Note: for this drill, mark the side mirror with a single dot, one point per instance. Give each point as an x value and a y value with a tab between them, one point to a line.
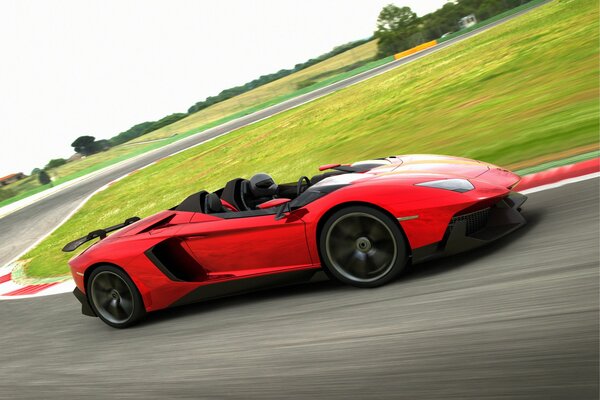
282	203
273	203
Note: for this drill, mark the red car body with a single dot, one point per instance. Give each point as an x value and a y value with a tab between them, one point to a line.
176	257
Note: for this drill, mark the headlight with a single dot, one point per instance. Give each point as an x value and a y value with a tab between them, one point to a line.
456	185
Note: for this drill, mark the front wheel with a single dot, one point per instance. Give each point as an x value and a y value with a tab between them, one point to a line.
362	247
114	297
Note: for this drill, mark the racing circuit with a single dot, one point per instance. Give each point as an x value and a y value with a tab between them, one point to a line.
515	319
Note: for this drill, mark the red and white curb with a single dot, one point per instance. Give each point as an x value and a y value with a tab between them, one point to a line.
12	290
9	289
559	176
536	182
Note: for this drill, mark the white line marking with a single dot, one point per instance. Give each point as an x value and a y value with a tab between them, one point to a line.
8	287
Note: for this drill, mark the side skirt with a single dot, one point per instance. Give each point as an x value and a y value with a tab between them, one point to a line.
247	285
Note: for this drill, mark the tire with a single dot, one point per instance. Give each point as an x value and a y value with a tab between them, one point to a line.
363	247
114	297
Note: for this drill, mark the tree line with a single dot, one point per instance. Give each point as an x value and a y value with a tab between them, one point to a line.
399	28
88	145
264	79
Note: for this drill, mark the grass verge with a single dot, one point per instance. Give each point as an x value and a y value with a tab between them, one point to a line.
520	91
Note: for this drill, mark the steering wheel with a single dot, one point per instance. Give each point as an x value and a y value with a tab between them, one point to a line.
302	185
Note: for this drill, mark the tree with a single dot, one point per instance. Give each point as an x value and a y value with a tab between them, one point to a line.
44	178
102	145
55	162
35	171
489	8
133	132
85	145
395	25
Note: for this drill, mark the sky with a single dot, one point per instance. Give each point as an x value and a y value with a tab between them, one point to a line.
70	68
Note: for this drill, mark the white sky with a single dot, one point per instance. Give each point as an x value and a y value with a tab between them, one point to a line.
71	67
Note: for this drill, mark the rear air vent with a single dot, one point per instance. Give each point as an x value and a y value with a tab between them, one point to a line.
172	258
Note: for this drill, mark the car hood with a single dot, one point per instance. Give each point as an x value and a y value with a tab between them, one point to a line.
451	167
419	167
435	164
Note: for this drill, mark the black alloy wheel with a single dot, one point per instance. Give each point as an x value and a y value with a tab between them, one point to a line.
114	297
363	247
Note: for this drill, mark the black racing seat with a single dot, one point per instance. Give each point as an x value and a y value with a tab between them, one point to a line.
193	203
241	194
246	195
213	204
258	189
233	193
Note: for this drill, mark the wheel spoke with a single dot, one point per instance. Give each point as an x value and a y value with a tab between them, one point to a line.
339	241
377	233
127	305
372	267
343	253
347	259
365	225
357	264
113	280
106	304
119	312
123	288
102	284
380	258
355	224
346	230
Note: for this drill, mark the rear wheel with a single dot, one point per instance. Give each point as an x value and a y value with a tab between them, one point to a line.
114	297
362	247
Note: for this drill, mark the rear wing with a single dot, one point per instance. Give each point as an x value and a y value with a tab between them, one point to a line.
100	233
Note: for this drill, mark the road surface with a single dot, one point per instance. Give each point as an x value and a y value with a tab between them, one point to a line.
517	319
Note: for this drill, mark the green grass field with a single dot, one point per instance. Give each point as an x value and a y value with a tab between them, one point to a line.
524	90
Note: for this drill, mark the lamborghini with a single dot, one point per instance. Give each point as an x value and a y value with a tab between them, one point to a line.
361	223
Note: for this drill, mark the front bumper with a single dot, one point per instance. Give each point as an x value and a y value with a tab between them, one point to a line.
86	309
472	230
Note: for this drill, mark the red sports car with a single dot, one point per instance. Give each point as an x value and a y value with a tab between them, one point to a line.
361	223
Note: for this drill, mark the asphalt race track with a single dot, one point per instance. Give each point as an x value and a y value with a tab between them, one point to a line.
22	228
517	319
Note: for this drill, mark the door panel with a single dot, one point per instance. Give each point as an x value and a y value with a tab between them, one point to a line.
247	246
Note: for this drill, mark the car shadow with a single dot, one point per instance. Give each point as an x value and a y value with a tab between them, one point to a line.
321	284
